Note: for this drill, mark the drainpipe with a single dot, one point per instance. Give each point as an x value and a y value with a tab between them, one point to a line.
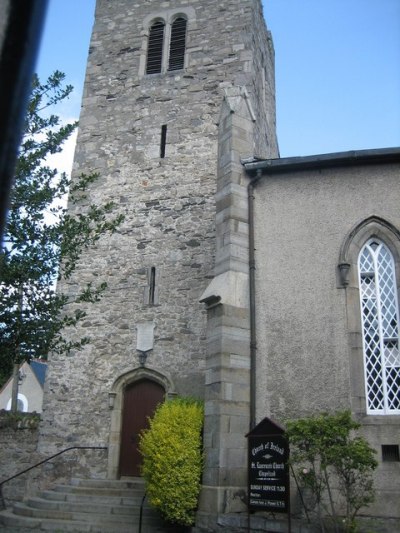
252	301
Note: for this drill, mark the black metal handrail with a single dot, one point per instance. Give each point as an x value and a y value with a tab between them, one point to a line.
141	512
42	462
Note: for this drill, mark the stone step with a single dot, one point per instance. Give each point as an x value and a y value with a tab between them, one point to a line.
12	522
95	506
23	509
107	507
100	498
131	483
98	491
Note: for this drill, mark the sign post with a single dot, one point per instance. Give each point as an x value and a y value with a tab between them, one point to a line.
268	469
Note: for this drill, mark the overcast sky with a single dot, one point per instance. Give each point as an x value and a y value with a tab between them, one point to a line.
337	69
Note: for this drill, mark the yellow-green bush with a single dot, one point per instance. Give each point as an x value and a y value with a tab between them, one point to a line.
173	460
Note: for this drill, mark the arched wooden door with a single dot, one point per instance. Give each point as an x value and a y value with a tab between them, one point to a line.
140	401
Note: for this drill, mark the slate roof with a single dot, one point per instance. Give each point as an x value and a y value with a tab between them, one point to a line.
39	370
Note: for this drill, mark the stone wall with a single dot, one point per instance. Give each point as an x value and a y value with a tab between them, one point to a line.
18	451
263	87
18	441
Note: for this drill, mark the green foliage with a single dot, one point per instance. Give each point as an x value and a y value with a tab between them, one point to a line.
40	235
19	420
172	459
326	452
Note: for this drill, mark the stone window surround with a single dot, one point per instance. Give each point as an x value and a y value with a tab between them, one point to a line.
167	16
151	290
371	227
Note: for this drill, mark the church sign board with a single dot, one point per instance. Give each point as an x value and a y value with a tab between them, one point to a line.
268	470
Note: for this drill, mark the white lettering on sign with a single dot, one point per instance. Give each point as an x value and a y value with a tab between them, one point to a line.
257	449
268	503
276	448
267	446
270	466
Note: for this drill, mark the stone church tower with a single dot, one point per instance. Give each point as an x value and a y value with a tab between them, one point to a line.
176	92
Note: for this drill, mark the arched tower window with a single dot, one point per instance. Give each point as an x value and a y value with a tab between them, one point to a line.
380	328
155	48
166	35
177	44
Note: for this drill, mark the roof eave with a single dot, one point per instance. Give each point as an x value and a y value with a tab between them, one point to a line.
321	161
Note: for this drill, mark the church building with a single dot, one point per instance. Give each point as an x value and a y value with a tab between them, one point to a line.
267	287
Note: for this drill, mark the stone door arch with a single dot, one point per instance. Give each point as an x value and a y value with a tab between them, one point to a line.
140	400
141	385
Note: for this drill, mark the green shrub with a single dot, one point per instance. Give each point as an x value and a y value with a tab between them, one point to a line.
327	453
173	460
19	420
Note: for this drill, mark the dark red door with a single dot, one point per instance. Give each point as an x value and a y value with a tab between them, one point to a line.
140	401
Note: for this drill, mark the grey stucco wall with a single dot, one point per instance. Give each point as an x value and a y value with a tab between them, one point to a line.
301	222
307	351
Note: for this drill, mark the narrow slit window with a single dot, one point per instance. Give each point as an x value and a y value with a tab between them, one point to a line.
152	285
155	48
163	140
177	44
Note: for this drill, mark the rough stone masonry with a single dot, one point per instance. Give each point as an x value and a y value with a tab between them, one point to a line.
161	259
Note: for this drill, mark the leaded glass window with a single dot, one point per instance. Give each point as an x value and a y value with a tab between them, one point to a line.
380	328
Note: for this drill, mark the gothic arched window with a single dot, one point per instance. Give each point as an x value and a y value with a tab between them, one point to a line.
155	48
380	328
177	44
